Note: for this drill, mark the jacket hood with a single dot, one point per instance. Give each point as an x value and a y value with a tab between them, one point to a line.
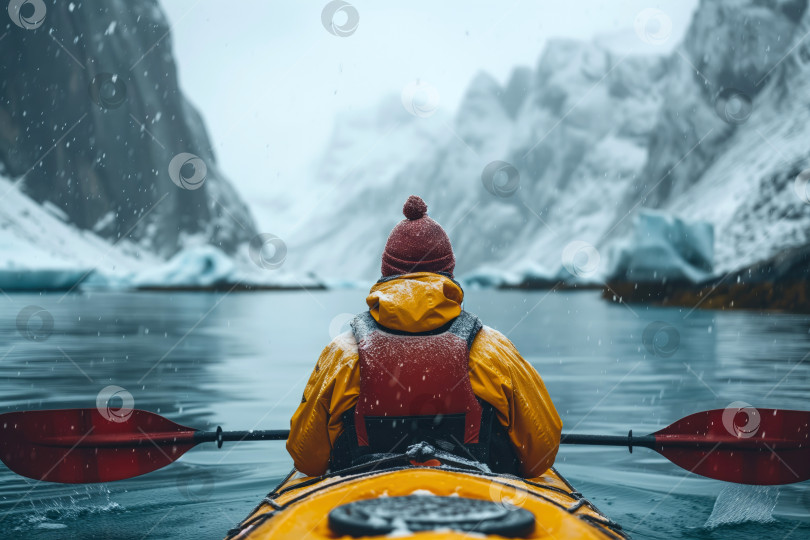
417	302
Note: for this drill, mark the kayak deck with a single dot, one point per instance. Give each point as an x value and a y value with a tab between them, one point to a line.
299	507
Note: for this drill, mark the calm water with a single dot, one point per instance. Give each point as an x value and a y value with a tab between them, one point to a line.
241	361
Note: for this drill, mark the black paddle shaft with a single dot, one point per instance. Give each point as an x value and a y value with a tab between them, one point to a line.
219	436
646	441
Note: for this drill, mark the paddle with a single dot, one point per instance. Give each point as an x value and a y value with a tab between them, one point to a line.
748	446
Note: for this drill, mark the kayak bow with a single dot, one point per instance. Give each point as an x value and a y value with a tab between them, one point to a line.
393	497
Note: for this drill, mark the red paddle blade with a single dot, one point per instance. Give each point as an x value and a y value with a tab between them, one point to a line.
77	446
741	444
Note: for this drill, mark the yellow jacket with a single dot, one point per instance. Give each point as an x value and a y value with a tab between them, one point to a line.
420	302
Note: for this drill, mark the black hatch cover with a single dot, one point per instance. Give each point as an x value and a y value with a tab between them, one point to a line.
414	513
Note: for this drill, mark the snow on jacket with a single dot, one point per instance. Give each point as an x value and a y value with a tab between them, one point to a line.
420	302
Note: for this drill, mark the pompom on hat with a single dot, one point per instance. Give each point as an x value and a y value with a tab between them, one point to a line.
417	244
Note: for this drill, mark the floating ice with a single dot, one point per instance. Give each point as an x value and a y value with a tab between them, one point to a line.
664	247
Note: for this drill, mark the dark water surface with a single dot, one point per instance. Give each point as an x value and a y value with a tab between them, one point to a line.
241	361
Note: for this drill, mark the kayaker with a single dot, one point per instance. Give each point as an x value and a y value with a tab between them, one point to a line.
417	367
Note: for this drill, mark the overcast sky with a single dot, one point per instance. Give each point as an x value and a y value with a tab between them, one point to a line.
269	79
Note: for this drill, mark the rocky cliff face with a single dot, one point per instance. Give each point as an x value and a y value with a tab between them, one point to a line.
717	132
92	119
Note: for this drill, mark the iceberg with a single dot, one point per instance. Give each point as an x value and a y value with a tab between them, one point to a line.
201	266
664	248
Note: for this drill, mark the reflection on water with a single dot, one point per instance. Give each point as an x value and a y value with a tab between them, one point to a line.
241	361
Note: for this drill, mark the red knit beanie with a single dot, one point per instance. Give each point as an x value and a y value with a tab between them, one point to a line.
417	244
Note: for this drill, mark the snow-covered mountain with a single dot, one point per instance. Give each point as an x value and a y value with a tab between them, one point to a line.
360	174
107	176
568	165
94	125
715	132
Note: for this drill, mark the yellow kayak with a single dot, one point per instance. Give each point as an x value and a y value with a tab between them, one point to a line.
394	497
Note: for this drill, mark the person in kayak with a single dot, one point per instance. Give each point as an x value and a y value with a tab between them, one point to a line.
416	367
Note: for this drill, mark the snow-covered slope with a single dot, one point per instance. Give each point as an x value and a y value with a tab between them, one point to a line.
715	132
41	250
